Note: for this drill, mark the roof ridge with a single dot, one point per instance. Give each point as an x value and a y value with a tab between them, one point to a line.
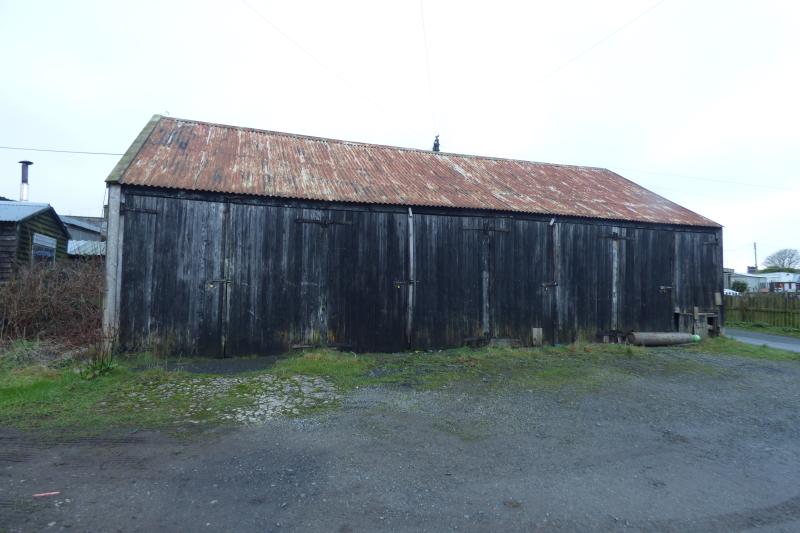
373	145
20	202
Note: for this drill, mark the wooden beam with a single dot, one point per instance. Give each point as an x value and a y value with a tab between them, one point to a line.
114	241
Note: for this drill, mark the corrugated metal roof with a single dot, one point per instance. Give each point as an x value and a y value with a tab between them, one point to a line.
11	211
73	221
86	248
199	156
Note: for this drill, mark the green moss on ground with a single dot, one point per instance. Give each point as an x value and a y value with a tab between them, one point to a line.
576	365
144	391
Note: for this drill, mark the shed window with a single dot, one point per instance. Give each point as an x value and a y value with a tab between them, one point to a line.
43	249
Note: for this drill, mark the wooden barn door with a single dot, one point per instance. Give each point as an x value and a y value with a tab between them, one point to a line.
449	259
276	267
482	278
522	289
173	284
645	271
313	277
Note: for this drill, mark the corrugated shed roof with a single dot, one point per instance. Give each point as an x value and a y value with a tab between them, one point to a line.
77	222
86	247
199	156
11	211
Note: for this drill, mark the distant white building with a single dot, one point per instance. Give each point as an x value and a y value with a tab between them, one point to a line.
782	281
769	282
755	282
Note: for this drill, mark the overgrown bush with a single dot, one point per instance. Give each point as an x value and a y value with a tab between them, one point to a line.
739	286
59	303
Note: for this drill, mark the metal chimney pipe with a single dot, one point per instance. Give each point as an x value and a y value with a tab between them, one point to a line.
23	186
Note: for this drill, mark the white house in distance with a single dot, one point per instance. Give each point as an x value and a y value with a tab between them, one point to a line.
769	282
782	281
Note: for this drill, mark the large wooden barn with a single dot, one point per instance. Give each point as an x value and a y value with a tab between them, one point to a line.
225	240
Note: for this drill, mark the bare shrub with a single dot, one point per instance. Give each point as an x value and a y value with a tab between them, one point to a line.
59	303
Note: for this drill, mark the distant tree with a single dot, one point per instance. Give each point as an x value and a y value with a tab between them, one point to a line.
739	286
778	269
786	258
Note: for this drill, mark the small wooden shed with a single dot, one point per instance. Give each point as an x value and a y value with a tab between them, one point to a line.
225	240
29	232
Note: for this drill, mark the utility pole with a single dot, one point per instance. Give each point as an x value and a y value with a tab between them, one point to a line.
755	256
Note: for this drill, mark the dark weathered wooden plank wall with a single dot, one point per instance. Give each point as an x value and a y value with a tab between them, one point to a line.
698	269
203	277
306	276
584	280
647	273
520	274
172	267
8	249
45	224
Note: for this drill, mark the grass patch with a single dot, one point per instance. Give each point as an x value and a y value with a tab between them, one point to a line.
37	398
728	346
762	327
144	391
577	365
347	370
147	391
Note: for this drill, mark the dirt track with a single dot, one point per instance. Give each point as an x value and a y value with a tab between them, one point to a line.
712	450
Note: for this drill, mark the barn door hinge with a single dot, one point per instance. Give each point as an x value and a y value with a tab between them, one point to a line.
665	288
400	282
487	228
323	223
211	283
615	236
125	209
549	284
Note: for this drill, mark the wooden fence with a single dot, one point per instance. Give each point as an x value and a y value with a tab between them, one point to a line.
774	309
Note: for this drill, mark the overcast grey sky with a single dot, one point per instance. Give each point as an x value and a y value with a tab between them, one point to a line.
698	101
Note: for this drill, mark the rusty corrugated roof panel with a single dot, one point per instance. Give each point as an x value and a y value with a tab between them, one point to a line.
198	156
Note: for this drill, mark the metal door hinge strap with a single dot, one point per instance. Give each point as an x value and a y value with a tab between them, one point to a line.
398	282
211	283
323	223
614	236
486	228
124	209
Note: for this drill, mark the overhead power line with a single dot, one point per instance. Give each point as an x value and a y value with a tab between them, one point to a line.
313	57
685	176
56	151
427	63
601	41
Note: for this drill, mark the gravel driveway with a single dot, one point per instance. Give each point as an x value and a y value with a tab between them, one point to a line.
714	449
